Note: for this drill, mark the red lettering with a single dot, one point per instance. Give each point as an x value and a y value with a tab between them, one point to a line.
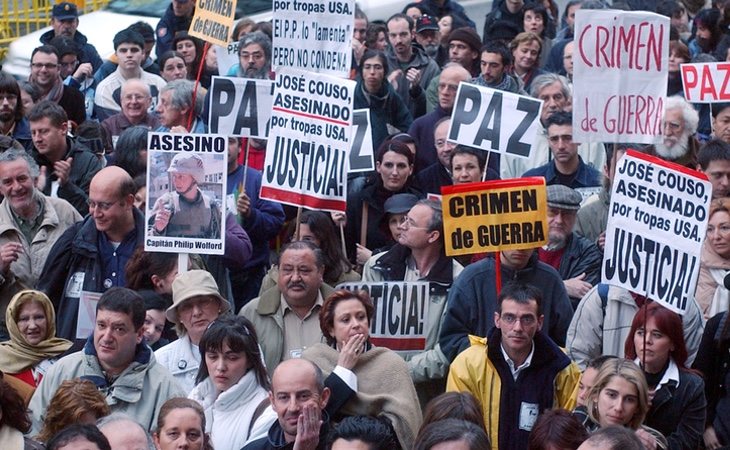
601	49
580	46
724	94
708	86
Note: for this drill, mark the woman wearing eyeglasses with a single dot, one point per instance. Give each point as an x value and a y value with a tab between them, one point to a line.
711	294
232	384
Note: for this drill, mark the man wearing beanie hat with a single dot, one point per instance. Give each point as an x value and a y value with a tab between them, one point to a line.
411	69
577	259
65	21
464	47
196	302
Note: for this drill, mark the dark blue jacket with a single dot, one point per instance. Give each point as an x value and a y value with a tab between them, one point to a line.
586	176
422	132
88	53
472	302
21	133
166	28
386	108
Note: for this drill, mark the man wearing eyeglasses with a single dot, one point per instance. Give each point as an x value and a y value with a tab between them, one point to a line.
92	255
45	76
517	371
419	256
566	166
67	166
679	125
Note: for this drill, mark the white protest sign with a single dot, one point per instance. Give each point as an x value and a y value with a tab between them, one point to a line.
314	35
186	189
361	142
308	148
494	120
706	82
620	76
240	107
401	313
86	317
656	224
227	57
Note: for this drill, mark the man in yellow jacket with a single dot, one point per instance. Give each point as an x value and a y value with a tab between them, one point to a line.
516	372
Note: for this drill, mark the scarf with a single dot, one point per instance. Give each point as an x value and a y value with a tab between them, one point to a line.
55	93
721	299
17	355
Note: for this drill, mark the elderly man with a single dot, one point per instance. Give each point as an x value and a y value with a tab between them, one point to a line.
129	50
554	91
286	316
566	166
422	128
117	360
299	397
91	255
495	60
428	35
254	56
516	371
679	144
411	69
124	433
186	211
175	106
65	21
136	102
67	166
577	260
419	255
12	120
30	223
45	77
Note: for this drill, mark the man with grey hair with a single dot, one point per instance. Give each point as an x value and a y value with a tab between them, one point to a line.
124	433
30	223
679	126
136	100
177	108
419	256
554	91
286	316
254	56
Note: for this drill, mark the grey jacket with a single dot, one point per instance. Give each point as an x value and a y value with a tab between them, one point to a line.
414	98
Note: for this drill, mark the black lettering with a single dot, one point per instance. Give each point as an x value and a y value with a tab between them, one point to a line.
514	146
492	115
461	115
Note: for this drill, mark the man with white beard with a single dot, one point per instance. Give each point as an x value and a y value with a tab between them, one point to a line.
679	144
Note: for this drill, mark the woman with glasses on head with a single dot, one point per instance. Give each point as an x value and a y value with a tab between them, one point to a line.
232	384
711	294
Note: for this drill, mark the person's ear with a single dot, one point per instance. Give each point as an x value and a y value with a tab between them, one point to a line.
140	334
540	321
324	398
435	235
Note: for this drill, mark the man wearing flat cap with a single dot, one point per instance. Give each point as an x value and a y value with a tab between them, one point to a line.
577	259
196	302
65	21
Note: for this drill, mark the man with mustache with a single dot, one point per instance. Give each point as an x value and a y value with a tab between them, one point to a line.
254	57
286	317
679	126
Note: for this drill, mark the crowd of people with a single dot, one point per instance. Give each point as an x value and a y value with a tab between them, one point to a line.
258	348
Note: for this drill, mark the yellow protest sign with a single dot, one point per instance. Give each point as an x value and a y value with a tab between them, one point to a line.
495	215
213	21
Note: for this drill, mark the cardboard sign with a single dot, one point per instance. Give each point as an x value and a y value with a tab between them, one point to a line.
240	107
401	312
307	154
227	57
86	317
213	20
494	120
706	82
362	158
314	35
656	224
186	189
620	76
495	215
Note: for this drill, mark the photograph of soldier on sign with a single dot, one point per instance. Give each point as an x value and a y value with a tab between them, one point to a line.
186	199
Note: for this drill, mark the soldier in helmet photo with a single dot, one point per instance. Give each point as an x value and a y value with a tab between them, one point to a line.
186	212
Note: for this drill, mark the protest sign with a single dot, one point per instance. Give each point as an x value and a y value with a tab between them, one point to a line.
186	187
620	76
227	57
314	35
706	82
656	224
401	312
307	154
86	316
361	142
494	120
213	20
240	107
495	215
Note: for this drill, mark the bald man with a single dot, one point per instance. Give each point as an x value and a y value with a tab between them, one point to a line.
92	254
136	101
422	128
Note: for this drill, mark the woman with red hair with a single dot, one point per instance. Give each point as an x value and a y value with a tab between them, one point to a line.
656	342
